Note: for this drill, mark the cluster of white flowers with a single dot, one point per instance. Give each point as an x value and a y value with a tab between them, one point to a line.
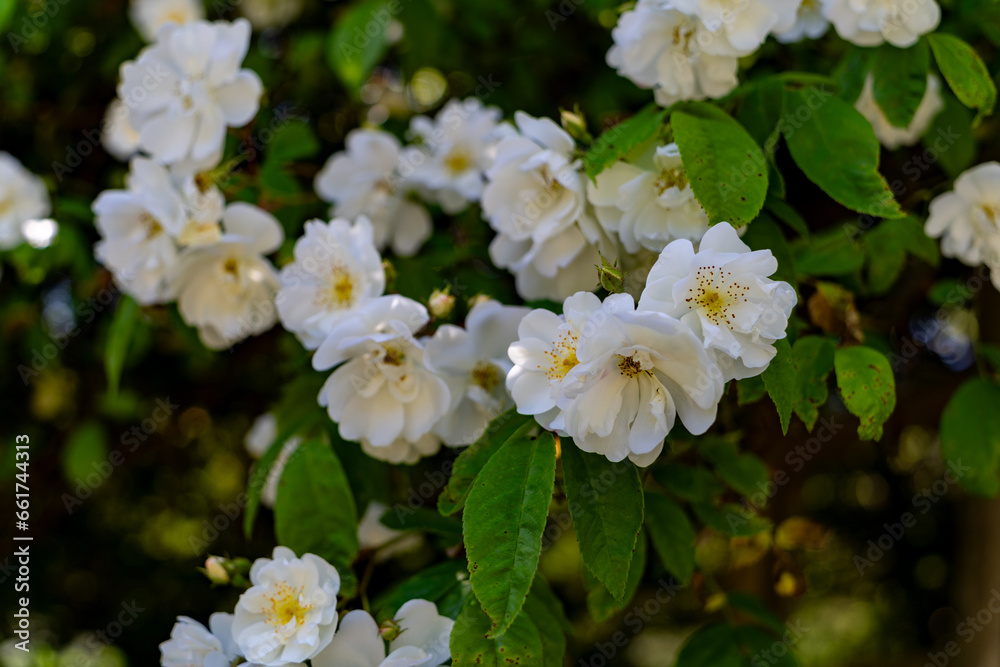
289	615
614	376
378	178
169	235
873	22
23	199
967	220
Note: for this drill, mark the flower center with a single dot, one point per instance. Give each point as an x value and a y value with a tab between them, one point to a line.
394	355
458	161
682	36
715	294
151	225
340	291
286	606
670	178
629	366
562	356
486	375
232	267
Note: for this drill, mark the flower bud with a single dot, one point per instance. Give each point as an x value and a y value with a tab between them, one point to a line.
215	570
441	303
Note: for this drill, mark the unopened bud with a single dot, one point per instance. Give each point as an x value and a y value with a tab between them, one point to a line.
441	303
215	570
390	630
575	124
610	276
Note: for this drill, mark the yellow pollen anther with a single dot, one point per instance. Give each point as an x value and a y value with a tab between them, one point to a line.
232	267
394	355
457	161
562	356
486	375
629	367
670	178
716	294
286	606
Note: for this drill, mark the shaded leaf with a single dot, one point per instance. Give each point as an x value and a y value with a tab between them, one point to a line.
970	436
965	72
672	534
867	386
779	379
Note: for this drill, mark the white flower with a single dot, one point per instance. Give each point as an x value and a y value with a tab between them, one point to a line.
745	24
257	441
118	136
536	201
227	289
264	14
422	641
723	294
383	392
889	135
336	270
365	180
191	644
149	16
23	197
809	22
289	614
474	363
648	206
636	372
967	220
456	149
872	22
140	228
545	353
186	88
657	46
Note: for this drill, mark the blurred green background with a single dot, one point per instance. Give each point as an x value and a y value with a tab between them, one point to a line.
130	549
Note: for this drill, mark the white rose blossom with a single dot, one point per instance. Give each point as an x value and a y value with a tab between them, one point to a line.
648	206
186	88
544	353
118	136
536	202
23	197
967	219
744	24
227	289
809	23
191	644
889	135
149	16
336	270
473	362
289	614
872	22
636	372
656	46
382	395
423	640
723	293
365	180
455	150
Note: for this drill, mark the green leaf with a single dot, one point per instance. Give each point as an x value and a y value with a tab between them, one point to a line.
788	215
503	524
760	111
293	141
886	247
605	501
711	646
549	625
119	335
779	379
731	519
314	510
695	485
867	386
358	42
812	358
85	450
472	646
851	72
468	464
951	137
542	592
7	8
836	148
434	584
745	473
965	72
970	436
672	534
422	519
752	606
831	253
750	390
601	604
725	166
615	142
899	80
764	234
277	180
